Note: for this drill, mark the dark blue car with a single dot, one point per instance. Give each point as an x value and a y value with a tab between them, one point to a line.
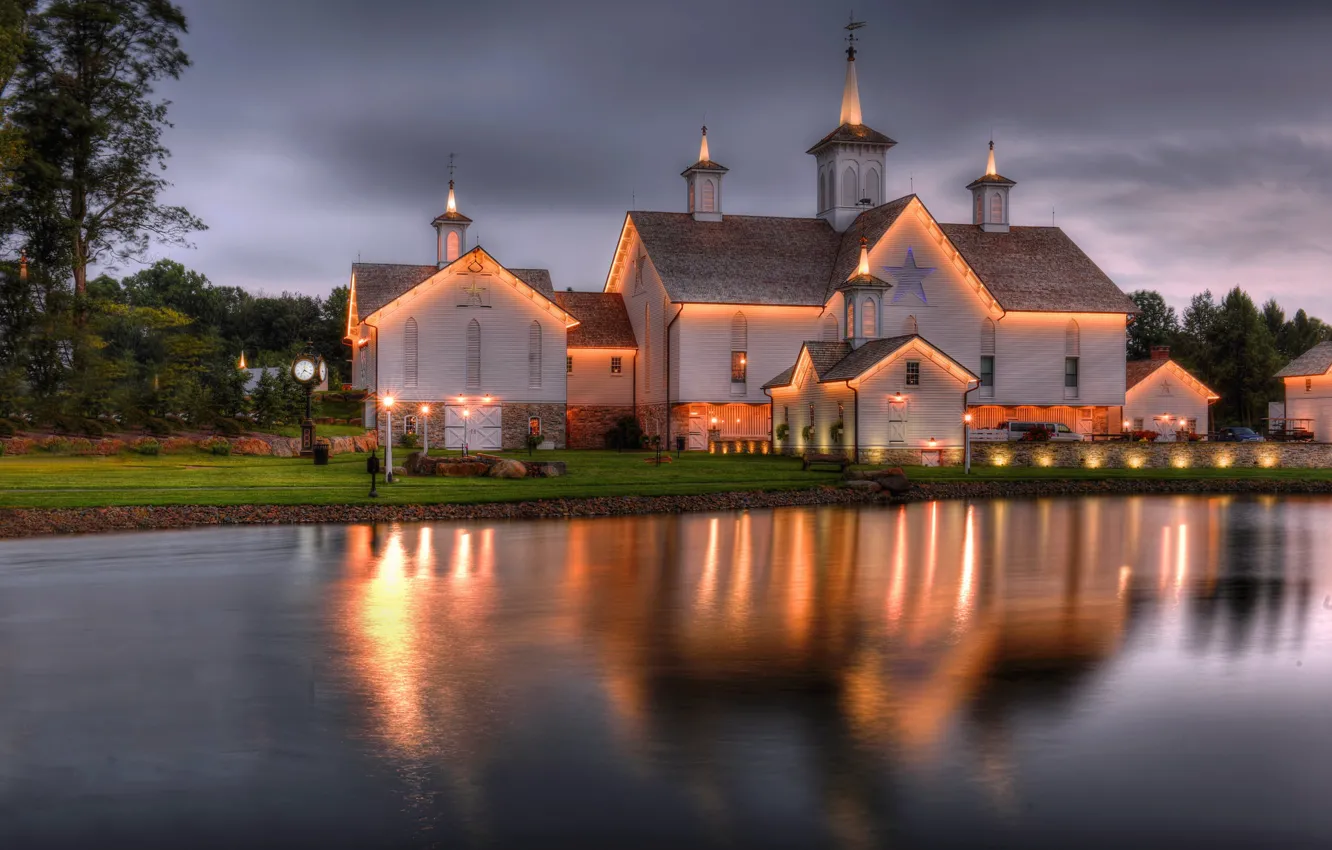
1238	435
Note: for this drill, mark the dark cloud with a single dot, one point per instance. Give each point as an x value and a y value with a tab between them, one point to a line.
1183	144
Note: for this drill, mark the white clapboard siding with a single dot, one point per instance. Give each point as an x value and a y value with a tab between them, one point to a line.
1314	403
934	407
1029	359
649	311
592	382
795	403
1165	393
505	342
773	336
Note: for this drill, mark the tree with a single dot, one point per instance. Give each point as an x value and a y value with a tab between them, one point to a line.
91	176
15	19
1274	318
1190	345
1301	334
1243	358
1156	324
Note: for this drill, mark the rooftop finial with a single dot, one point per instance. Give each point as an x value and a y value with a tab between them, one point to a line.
703	147
864	269
453	204
989	167
851	93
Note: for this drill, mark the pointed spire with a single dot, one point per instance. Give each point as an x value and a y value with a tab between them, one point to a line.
989	167
703	147
863	269
453	204
241	364
851	93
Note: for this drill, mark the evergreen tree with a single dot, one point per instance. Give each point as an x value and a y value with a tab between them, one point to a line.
1243	358
1155	324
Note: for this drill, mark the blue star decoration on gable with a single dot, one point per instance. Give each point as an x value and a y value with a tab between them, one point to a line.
910	279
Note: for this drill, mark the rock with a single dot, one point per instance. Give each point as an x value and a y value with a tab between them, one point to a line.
281	448
863	486
894	481
546	469
454	469
251	446
511	469
399	472
341	445
856	475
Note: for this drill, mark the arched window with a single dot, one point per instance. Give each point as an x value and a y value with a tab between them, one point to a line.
739	332
850	319
868	320
534	355
453	246
409	354
823	189
830	328
709	196
980	209
910	327
849	187
996	208
872	184
691	195
739	353
1072	339
474	355
987	336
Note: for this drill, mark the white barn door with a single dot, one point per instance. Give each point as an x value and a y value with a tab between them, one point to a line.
455	426
897	420
698	438
483	428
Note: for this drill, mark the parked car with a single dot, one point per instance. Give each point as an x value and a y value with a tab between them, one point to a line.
1058	433
1238	435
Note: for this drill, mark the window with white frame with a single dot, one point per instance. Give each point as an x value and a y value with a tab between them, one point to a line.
534	426
739	347
1070	373
617	365
913	373
568	364
1137	424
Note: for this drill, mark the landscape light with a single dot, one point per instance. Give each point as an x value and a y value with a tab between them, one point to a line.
425	410
388	401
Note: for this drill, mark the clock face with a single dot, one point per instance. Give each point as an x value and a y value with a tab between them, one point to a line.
323	371
304	370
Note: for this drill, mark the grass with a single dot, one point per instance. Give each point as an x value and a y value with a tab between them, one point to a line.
320	430
196	478
200	479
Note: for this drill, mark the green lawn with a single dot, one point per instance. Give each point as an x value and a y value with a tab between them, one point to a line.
201	479
320	430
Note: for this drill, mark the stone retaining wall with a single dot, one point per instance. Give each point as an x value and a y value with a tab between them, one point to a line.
1153	455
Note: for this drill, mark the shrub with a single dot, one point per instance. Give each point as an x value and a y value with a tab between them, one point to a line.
227	427
627	434
54	445
218	446
534	440
106	448
3	448
807	432
147	446
783	431
838	428
17	446
177	444
1143	436
1037	434
91	428
157	427
80	446
7	428
409	441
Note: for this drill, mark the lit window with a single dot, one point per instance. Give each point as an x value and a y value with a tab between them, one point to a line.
739	367
616	365
987	370
1308	385
913	373
568	364
409	424
1137	424
786	414
1071	373
840	416
534	426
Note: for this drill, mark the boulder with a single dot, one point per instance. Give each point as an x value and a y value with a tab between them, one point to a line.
286	446
545	469
399	472
863	486
461	470
506	468
892	480
251	446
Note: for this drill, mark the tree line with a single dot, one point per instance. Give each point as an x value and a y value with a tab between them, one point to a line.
82	168
1232	345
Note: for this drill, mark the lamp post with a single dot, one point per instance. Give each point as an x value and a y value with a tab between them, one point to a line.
467	414
425	430
966	444
388	442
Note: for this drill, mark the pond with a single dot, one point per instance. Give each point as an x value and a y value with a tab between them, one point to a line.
1092	672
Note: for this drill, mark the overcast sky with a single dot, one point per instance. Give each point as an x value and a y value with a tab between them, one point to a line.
1183	144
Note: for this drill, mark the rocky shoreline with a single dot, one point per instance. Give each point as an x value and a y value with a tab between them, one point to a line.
31	522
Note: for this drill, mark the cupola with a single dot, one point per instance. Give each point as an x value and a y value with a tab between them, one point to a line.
704	180
989	198
850	159
862	300
451	229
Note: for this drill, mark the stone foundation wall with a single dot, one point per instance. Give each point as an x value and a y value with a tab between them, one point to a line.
653	419
587	425
513	423
1153	455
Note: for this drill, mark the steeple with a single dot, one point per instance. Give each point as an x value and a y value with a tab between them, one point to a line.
450	227
862	299
989	198
850	159
704	181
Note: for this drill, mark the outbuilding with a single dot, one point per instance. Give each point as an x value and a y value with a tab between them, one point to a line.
1308	381
1162	396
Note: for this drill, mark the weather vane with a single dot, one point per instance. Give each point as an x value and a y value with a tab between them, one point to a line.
851	27
451	166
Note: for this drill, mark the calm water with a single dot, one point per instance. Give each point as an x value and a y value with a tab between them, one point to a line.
1100	672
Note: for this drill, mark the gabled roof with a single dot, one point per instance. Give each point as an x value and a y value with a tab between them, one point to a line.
856	133
822	356
377	284
1037	269
603	320
872	224
1137	371
1316	361
742	259
782	380
875	351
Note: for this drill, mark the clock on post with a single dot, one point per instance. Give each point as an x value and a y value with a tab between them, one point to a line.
308	369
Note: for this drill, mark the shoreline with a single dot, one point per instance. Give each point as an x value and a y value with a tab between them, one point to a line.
16	523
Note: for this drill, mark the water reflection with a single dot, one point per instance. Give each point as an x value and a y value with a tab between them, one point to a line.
812	654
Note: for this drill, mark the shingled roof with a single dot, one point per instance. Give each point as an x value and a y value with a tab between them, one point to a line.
603	320
872	223
742	259
1315	361
822	356
1037	269
782	380
856	133
1137	371
379	283
870	354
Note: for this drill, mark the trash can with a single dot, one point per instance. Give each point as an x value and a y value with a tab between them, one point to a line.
679	442
321	454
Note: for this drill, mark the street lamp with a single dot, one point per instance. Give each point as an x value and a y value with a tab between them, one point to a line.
388	443
467	414
966	443
425	430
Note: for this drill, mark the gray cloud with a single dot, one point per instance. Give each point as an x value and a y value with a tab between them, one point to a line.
1183	144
